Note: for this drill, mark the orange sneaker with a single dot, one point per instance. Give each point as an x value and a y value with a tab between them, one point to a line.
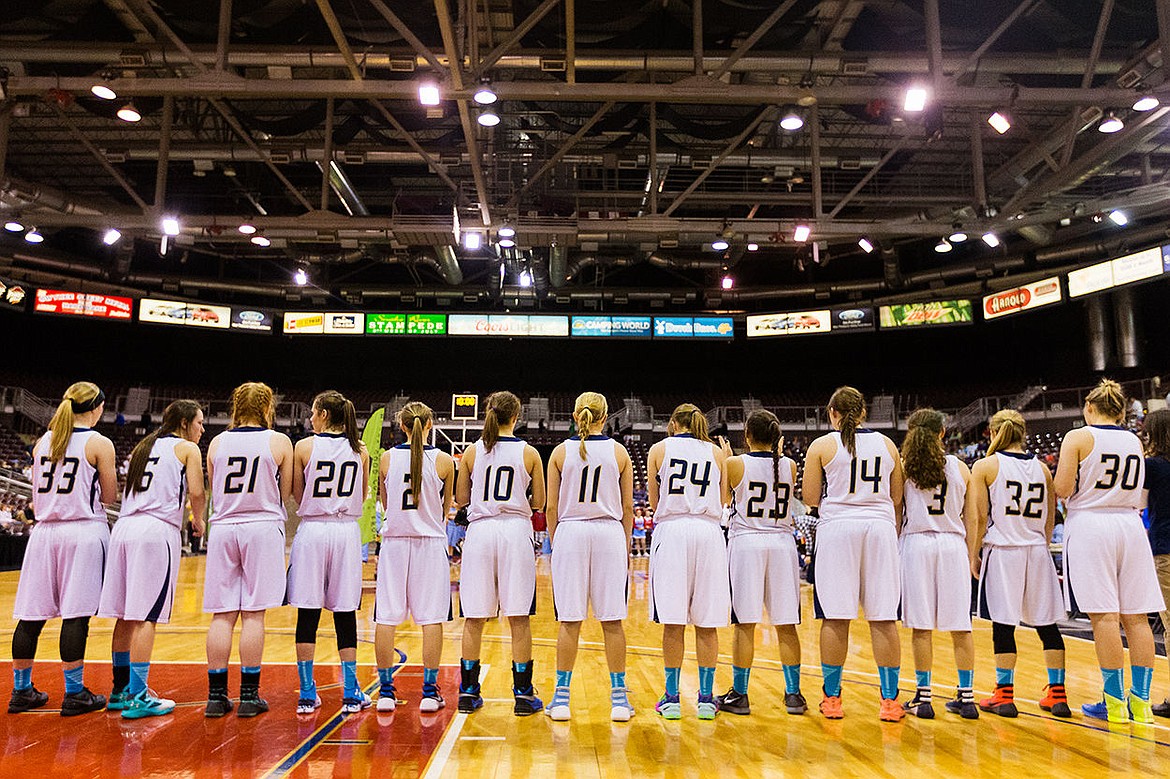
831	707
891	711
1056	701
1002	703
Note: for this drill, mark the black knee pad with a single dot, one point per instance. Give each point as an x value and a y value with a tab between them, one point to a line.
1050	637
74	634
25	638
345	622
307	622
1003	638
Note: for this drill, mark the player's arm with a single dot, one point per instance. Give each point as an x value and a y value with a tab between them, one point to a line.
897	483
1072	450
733	475
383	470
365	454
653	466
211	450
463	482
1051	495
814	470
99	450
969	531
192	460
302	453
535	468
626	472
445	466
282	451
556	462
976	507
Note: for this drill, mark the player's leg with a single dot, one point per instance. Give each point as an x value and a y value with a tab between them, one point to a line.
219	650
789	641
526	701
78	698
1140	638
1055	698
308	620
887	652
834	650
568	636
735	700
345	625
251	657
922	643
571	579
120	656
432	654
707	652
386	658
25	638
748	573
614	633
1003	702
472	641
673	647
964	701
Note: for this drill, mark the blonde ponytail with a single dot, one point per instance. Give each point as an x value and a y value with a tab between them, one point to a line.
1108	398
589	409
688	417
1007	430
584	422
850	404
80	398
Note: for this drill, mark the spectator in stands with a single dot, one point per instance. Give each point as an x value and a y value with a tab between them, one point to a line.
640	495
1157	431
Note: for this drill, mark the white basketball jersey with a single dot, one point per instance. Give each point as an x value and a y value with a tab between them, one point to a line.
499	481
592	488
407	514
1018	502
163	485
858	487
246	487
1111	478
67	489
333	480
688	481
938	510
756	506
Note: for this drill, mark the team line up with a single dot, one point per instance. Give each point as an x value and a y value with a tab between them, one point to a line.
896	530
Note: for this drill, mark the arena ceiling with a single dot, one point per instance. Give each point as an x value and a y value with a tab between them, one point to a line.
633	134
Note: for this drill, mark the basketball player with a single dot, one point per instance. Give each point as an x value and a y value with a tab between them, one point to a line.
501	482
331	472
761	552
166	468
416	488
250	468
1156	427
73	475
936	560
854	476
688	559
1108	566
1013	508
590	514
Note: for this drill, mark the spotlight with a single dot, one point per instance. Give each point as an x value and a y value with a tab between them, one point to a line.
801	233
1118	218
865	245
991	239
728	282
753	247
792	122
301	277
507	231
943	246
428	94
170	225
525	279
1000	123
247	229
472	241
915	100
32	236
103	91
507	243
719	245
1110	124
128	113
261	240
1146	103
164	245
111	237
13	226
485	96
957	237
488	118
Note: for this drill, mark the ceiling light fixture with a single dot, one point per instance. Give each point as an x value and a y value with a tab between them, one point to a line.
1110	124
111	236
170	225
728	282
507	243
261	240
13	226
753	247
801	233
102	90
865	245
915	100
991	239
32	236
428	94
792	121
943	246
247	229
1118	218
488	118
485	95
999	122
957	237
1146	103
720	245
472	241
507	231
301	277
525	279
128	113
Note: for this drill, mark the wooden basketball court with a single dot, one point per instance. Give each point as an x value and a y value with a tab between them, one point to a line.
493	742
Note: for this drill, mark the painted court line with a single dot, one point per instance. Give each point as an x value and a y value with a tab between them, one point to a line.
315	739
439	759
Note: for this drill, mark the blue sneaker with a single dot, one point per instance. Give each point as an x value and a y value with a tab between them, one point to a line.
118	700
558	707
146	705
527	704
619	702
1113	710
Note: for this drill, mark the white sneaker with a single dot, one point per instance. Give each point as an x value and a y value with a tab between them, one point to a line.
558	708
354	705
620	708
387	703
431	703
308	706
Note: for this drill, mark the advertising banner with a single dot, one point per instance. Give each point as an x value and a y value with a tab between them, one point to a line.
1013	301
344	323
611	326
938	312
507	325
179	312
257	320
298	322
56	301
1091	279
426	324
792	323
12	295
858	319
385	324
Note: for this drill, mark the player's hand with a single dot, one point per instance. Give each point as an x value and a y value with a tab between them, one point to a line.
725	445
198	527
975	564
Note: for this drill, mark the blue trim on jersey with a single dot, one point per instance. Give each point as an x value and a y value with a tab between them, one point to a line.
590	438
760	454
1019	455
864	430
168	435
683	435
244	429
330	435
83	430
1110	427
426	448
509	438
